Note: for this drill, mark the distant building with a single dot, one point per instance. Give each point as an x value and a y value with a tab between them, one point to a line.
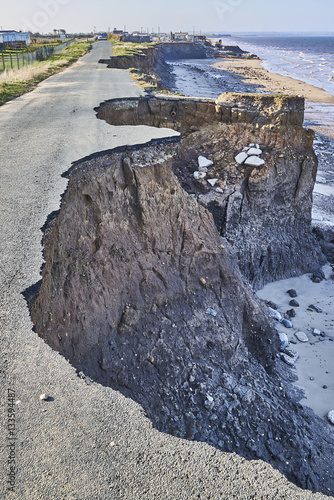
181	37
137	38
14	38
200	38
160	37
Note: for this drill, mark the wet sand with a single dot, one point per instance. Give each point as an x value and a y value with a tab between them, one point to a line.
252	71
314	366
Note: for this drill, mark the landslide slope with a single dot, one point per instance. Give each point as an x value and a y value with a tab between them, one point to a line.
142	294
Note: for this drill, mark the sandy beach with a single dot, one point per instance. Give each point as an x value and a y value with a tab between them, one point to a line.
314	366
252	71
318	101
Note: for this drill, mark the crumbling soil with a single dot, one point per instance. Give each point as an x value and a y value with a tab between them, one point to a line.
142	294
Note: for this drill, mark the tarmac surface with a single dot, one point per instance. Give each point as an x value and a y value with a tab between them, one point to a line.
87	441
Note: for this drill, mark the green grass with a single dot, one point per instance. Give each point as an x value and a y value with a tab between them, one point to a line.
15	58
17	82
131	49
145	81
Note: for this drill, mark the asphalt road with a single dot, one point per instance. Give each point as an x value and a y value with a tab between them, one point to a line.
89	442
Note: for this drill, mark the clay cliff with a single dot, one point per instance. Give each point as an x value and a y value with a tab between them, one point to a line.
153	61
141	293
264	211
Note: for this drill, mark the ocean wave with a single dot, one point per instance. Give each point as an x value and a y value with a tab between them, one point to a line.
311	63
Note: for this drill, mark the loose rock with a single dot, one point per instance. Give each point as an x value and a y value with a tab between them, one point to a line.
316	331
321	180
241	157
289	357
292	293
271	304
287	323
301	336
44	397
293	303
284	340
254	151
212	312
275	314
212	181
204	162
315	308
291	313
199	175
254	161
318	276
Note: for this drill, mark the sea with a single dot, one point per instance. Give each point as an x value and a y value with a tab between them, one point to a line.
306	58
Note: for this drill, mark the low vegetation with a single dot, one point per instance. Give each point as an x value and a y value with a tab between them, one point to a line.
151	84
14	83
146	82
130	49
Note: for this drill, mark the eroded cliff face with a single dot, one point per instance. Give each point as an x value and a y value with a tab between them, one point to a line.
151	57
264	212
141	293
153	61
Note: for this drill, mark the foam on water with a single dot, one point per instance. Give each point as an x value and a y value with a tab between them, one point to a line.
306	58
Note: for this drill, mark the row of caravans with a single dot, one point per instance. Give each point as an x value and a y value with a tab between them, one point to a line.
14	38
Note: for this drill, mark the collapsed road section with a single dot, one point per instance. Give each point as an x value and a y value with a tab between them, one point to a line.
141	293
260	197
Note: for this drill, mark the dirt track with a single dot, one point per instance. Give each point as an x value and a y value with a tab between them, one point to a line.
88	442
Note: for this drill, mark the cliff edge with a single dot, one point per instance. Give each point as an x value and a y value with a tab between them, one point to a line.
141	293
263	209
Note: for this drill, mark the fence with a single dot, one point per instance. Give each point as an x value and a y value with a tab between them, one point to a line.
16	60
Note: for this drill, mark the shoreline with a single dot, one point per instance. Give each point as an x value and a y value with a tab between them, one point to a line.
318	103
313	367
252	71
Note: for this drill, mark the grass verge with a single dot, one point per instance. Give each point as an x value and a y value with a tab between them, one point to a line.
131	49
147	82
150	83
17	82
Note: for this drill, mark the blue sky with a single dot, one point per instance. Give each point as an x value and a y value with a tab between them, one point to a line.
176	15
